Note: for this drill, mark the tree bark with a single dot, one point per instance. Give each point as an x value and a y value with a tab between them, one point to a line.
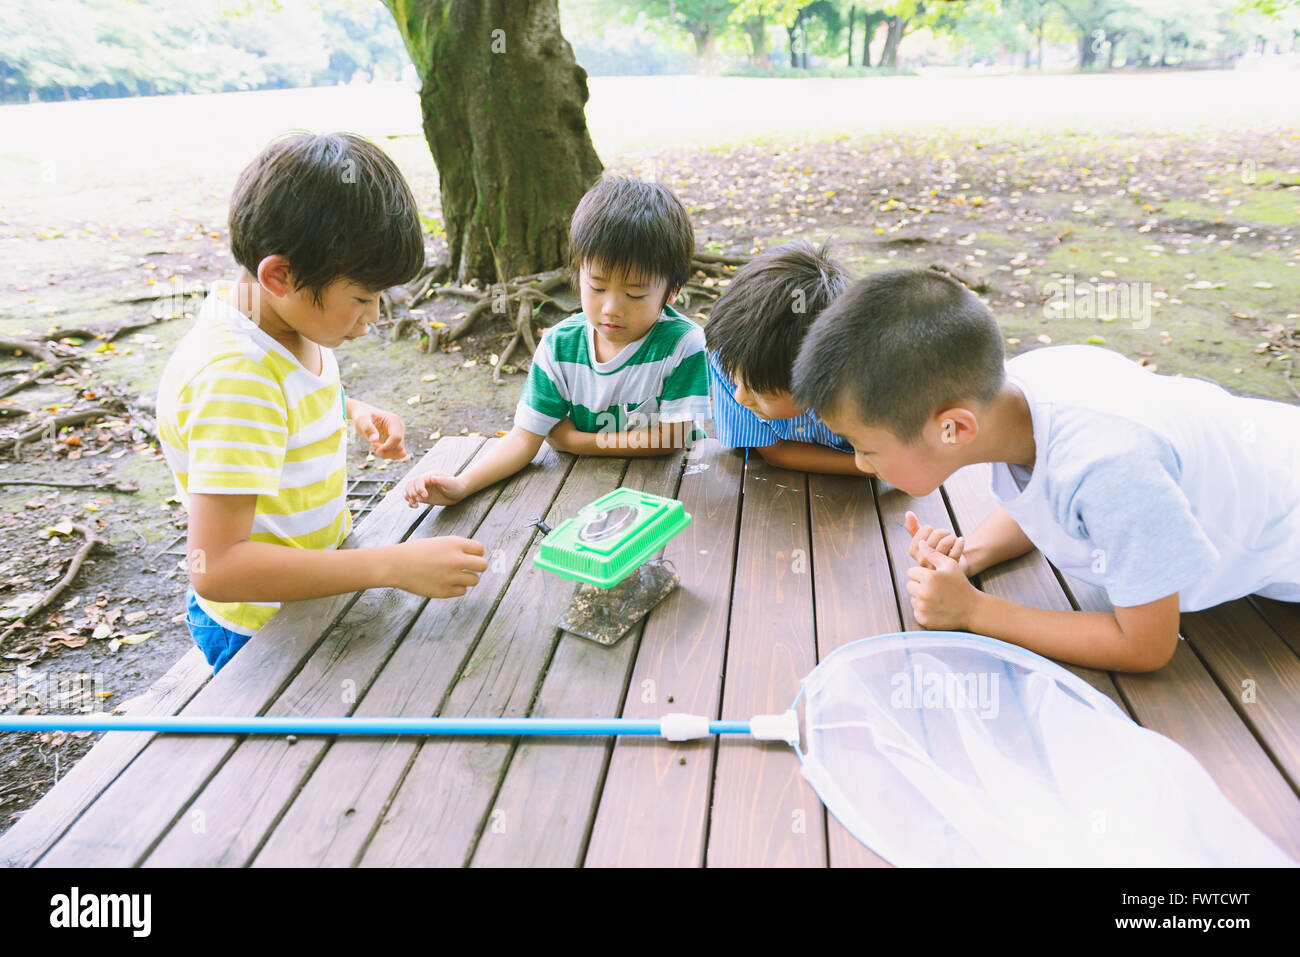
756	30
502	99
1087	56
853	12
703	35
889	55
869	23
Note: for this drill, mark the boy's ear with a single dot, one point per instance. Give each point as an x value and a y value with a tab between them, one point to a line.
274	275
956	426
672	296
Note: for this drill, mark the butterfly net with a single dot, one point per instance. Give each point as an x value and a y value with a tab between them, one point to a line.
944	749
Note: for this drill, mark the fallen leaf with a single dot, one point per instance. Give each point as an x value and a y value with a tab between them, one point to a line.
56	638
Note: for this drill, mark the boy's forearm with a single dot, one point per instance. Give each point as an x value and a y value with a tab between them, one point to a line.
1092	639
995	540
511	454
259	571
809	457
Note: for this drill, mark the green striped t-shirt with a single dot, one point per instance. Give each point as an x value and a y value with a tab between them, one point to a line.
238	414
662	377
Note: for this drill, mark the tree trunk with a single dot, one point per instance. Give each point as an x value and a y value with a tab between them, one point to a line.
792	32
889	55
703	34
1086	54
756	29
502	99
853	12
869	23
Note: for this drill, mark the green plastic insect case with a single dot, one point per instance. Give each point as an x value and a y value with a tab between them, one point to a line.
608	539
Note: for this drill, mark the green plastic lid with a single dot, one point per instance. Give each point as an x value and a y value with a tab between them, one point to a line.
608	539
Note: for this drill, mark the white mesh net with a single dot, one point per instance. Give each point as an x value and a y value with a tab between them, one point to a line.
944	749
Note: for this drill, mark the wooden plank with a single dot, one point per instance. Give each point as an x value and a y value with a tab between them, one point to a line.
655	802
439	808
536	821
331	819
45	822
854	598
764	812
1183	702
119	828
1027	580
1284	616
241	803
1259	675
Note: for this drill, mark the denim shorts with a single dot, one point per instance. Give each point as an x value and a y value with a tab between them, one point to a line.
218	643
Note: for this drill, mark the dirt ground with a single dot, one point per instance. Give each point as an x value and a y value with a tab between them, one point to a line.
1200	228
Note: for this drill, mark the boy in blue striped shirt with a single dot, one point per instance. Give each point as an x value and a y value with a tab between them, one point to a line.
753	336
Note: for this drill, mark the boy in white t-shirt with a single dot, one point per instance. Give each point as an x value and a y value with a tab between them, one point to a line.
1171	494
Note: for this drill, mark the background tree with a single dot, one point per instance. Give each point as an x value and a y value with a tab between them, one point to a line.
704	20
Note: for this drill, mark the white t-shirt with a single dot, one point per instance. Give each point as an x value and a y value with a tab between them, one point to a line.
1147	484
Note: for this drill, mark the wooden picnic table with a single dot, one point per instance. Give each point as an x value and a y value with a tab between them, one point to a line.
778	569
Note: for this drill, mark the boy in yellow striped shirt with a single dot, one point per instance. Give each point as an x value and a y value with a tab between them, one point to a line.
251	413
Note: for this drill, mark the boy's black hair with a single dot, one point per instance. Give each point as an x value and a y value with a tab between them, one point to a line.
899	346
633	228
758	324
335	205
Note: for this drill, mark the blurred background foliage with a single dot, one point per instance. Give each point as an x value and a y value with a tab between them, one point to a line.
73	49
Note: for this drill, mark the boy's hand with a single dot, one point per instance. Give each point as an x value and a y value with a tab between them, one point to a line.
942	595
434	488
440	567
384	430
940	540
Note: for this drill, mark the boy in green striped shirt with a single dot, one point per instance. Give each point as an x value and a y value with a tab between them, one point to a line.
251	414
628	375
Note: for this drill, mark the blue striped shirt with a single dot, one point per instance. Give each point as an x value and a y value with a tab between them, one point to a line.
736	427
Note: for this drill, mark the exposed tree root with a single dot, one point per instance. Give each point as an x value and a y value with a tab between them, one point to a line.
523	295
52	426
91	542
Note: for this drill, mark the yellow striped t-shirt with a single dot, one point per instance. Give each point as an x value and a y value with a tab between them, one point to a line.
238	414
